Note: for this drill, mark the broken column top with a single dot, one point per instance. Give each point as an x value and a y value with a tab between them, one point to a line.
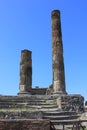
26	51
55	13
26	54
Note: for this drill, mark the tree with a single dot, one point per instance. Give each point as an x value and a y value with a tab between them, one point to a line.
85	103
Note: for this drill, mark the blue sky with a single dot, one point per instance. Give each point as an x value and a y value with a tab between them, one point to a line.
26	24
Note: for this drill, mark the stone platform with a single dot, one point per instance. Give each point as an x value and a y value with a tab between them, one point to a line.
40	107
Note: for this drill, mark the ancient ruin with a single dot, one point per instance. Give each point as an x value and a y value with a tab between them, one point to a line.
58	82
25	72
57	55
43	108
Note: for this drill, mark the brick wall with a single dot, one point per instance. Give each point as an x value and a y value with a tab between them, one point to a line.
24	124
38	91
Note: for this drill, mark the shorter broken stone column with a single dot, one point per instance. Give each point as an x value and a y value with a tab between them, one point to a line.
25	71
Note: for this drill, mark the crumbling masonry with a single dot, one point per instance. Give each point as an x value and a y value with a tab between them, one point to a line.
25	72
58	82
41	108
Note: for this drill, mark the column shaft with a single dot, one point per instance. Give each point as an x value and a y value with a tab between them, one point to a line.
25	71
57	54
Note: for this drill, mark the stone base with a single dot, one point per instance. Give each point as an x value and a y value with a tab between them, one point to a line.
59	93
24	93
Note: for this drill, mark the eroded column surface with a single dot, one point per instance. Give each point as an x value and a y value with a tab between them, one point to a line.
57	54
25	71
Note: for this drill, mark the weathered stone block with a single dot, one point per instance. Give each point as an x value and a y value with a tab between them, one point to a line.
72	103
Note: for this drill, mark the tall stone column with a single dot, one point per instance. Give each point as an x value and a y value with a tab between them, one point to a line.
25	71
57	54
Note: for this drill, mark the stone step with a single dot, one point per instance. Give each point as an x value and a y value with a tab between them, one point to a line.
32	102
28	106
36	102
29	97
33	114
56	122
25	100
58	113
58	127
28	109
58	116
66	127
25	103
63	117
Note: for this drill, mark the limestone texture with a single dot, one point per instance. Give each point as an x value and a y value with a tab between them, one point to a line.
25	71
72	103
42	108
57	54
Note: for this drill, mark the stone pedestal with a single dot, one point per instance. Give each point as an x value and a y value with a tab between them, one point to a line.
57	55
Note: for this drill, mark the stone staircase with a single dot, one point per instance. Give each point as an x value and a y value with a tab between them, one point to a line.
30	103
34	107
56	116
59	115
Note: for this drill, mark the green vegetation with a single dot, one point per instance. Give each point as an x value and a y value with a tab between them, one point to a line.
84	129
17	109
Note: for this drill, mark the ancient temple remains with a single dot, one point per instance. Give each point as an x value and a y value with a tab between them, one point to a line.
58	86
41	108
58	82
